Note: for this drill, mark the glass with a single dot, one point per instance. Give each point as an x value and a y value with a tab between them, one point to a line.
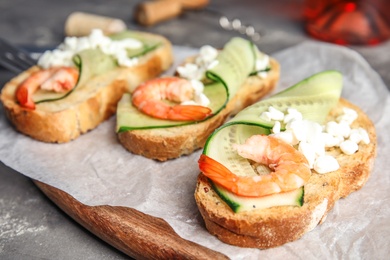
348	22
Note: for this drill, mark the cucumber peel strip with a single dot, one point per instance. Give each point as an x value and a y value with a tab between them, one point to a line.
93	62
236	62
240	204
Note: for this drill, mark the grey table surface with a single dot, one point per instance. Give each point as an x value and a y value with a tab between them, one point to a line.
31	226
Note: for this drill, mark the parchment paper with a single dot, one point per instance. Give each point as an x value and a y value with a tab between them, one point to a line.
95	169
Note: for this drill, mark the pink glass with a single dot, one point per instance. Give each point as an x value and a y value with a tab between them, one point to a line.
348	22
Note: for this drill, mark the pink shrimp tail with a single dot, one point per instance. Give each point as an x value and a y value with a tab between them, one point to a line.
26	89
24	97
215	171
189	112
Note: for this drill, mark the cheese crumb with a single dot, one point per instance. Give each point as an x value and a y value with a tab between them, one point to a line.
276	114
325	164
276	127
349	115
262	64
349	147
286	136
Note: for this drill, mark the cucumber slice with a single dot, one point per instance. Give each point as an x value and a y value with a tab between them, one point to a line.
236	62
241	204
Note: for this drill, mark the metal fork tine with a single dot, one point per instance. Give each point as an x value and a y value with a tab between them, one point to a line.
26	58
14	59
9	66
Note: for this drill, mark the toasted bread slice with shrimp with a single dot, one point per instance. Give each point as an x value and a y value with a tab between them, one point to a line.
275	226
169	143
64	120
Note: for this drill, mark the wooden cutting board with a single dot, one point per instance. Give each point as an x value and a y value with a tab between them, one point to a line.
138	235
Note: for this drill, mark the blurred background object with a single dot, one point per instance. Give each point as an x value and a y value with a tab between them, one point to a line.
357	22
81	24
154	11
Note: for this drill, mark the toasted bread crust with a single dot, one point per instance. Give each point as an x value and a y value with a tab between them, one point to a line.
64	120
279	225
168	143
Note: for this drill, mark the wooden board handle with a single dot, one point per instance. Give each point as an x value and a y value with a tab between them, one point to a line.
138	235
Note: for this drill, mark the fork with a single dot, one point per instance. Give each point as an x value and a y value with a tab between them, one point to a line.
13	58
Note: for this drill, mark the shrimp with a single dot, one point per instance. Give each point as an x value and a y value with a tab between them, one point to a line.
58	79
149	98
62	80
289	168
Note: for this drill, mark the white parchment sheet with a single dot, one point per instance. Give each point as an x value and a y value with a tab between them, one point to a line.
95	169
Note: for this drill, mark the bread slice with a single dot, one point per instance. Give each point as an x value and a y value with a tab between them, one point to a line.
275	226
168	143
64	120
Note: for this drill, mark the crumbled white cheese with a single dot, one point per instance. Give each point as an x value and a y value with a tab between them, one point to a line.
312	139
63	54
276	114
276	127
202	100
292	114
262	63
349	115
199	97
56	58
331	140
308	150
266	116
205	60
333	128
359	135
197	86
207	55
212	64
272	114
325	164
345	129
190	71
364	135
304	130
286	136
349	147
312	131
355	136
